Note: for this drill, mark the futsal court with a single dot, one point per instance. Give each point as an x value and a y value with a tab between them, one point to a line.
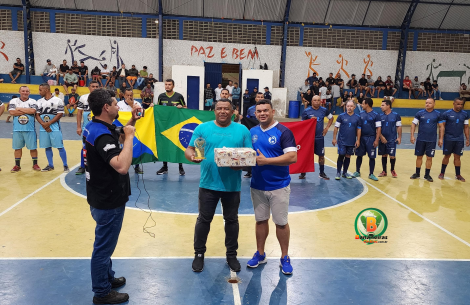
47	236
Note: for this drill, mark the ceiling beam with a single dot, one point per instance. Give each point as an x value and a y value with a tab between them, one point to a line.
442	21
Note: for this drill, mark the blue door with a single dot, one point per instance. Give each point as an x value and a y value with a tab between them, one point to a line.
251	83
193	92
213	74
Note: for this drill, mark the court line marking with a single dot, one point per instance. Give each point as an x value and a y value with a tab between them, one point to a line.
248	257
236	292
413	211
36	191
364	191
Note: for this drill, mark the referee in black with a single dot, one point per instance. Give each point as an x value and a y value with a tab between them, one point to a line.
170	98
108	188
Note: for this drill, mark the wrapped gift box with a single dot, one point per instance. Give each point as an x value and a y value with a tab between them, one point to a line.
226	157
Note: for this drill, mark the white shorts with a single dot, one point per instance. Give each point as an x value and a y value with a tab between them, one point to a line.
276	201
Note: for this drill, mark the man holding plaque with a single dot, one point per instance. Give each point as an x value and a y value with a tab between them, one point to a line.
270	184
217	183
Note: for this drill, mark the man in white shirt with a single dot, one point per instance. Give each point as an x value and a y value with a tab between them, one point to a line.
230	88
104	72
47	69
59	94
217	91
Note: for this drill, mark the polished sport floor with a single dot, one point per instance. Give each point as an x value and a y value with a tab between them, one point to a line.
47	233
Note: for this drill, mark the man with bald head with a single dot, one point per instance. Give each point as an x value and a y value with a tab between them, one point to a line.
349	125
428	120
318	112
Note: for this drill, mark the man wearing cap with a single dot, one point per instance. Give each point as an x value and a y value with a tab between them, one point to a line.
47	69
267	94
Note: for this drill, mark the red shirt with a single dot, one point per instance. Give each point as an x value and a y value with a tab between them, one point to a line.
407	83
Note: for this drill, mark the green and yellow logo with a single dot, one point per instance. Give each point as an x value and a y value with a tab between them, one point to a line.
370	226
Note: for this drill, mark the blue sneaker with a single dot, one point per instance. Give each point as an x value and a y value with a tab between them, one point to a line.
256	260
285	265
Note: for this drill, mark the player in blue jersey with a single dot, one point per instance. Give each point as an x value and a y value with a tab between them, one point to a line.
370	133
318	112
270	184
391	125
251	112
50	111
84	112
23	109
349	125
456	125
428	120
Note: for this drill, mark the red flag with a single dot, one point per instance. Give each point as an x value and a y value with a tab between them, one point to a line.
304	134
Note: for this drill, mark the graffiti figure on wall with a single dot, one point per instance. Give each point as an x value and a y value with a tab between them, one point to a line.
1	48
115	50
367	70
431	67
74	47
312	63
342	61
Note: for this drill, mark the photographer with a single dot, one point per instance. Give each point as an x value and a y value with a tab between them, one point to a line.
108	188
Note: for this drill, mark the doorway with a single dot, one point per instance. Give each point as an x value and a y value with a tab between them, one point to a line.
217	73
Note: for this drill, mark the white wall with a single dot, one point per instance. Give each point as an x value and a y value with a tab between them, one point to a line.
298	64
419	64
279	100
180	76
11	47
265	78
195	53
96	50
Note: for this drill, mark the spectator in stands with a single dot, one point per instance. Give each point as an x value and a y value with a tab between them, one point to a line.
143	74
389	92
132	76
363	85
312	79
352	83
59	94
428	87
422	91
307	99
323	93
339	81
464	93
75	68
407	86
320	82
111	77
336	94
83	72
72	102
96	75
147	99
151	80
415	87
267	95
303	89
104	74
246	101
63	68
436	91
123	73
47	70
110	86
147	91
122	90
208	97
253	96
370	86
344	100
217	91
229	87
389	81
18	69
53	72
379	85
330	79
70	79
236	94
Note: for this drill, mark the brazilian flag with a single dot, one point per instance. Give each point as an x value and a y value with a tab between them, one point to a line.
174	128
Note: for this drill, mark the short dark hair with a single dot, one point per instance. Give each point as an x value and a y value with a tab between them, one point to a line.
98	98
225	89
463	99
169	80
56	89
93	82
223	100
260	93
46	85
388	103
145	67
265	102
82	62
128	89
369	101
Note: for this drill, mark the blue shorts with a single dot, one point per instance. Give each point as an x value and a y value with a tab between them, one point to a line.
345	150
50	139
25	138
389	148
425	147
367	146
319	148
453	147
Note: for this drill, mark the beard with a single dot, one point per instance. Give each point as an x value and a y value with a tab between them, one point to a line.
117	116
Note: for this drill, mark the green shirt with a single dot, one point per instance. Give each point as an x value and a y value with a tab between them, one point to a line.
143	73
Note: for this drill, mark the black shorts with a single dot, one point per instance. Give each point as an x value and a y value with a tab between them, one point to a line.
406	89
71	84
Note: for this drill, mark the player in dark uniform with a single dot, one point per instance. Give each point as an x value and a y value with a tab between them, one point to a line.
171	98
349	126
456	124
428	120
370	133
318	112
391	125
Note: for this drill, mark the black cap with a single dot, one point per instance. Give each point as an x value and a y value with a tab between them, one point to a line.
255	88
266	88
48	60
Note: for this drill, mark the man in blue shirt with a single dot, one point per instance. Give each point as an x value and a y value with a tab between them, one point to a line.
218	183
267	95
318	112
428	120
456	124
270	185
391	125
349	126
370	133
236	93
